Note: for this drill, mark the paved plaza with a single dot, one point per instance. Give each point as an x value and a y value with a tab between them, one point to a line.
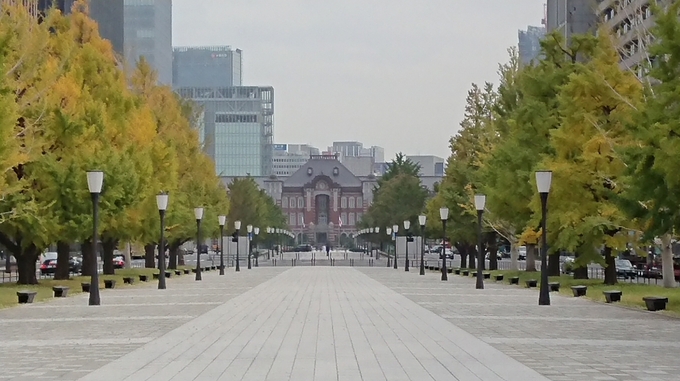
333	323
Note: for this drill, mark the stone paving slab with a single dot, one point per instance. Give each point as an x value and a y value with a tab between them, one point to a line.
317	324
65	339
574	339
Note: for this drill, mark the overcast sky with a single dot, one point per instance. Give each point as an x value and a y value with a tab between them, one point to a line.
392	73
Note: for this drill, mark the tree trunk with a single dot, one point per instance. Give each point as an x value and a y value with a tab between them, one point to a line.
463	256
554	264
149	256
26	265
531	257
514	255
180	258
493	251
173	252
579	272
610	267
472	262
667	262
108	246
88	255
63	258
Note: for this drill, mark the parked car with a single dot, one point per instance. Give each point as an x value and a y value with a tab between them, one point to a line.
567	264
522	253
625	269
49	266
118	262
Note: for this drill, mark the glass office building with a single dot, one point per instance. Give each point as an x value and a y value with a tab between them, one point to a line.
236	127
206	66
148	33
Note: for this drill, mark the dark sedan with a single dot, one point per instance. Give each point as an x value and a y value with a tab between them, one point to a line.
49	266
625	269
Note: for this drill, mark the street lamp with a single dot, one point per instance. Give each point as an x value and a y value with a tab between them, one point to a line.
95	180
377	237
407	226
249	228
480	203
389	234
422	220
256	230
237	227
198	213
223	221
395	230
162	203
444	215
543	182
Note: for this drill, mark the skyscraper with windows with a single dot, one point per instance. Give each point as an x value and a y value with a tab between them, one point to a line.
148	33
529	46
206	66
236	127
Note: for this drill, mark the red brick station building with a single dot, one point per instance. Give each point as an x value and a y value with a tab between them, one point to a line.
323	200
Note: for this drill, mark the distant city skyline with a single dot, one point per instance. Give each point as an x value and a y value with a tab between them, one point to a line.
391	73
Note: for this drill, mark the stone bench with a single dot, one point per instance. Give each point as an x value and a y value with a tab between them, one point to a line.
498	278
85	287
26	296
109	283
655	303
579	291
487	275
128	280
514	280
143	278
554	286
449	270
156	275
456	271
612	296
464	272
531	283
178	272
187	271
473	274
60	291
213	268
168	274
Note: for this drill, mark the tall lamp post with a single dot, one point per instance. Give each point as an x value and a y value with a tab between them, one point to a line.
480	203
422	220
444	215
249	229
407	226
162	203
377	241
395	230
198	213
237	227
543	182
223	221
389	234
95	180
256	230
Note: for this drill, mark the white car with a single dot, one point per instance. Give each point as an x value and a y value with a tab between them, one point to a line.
522	253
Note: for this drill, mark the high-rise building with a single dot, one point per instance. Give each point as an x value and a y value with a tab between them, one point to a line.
148	33
529	46
572	16
110	15
630	23
288	158
206	66
430	165
236	127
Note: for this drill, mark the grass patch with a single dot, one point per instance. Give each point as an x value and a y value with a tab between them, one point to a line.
8	291
632	292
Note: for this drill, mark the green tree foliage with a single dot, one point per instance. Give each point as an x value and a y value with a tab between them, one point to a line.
65	108
252	206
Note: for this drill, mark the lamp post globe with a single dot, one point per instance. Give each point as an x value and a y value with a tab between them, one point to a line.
444	216
407	226
249	229
422	219
95	182
256	231
543	183
162	203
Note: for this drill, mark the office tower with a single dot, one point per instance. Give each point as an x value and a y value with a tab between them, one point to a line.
206	66
529	46
572	16
148	33
236	127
